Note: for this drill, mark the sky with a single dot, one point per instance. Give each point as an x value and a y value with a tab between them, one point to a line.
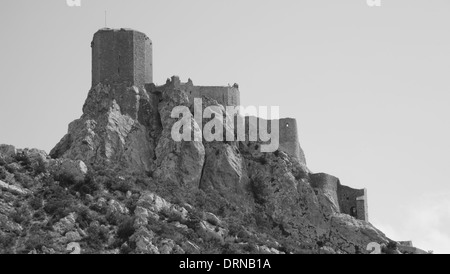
369	86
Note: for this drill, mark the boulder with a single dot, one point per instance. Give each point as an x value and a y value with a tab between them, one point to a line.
65	224
210	231
73	248
72	236
212	219
13	189
166	246
74	170
155	204
115	206
143	239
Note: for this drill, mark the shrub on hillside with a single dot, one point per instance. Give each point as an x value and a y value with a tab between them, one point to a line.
126	228
23	179
6	242
3	173
36	202
59	202
259	190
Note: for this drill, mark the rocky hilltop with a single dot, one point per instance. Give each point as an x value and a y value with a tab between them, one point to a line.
118	183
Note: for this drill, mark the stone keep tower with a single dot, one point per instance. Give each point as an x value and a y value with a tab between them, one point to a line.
121	55
289	139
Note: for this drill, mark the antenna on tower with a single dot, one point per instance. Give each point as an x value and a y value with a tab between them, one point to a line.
105	19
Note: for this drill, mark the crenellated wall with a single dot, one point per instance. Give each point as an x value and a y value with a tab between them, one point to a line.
224	95
121	55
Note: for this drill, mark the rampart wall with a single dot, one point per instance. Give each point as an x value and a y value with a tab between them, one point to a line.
349	201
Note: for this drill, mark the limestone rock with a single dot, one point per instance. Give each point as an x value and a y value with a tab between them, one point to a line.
223	170
166	246
65	224
212	219
179	163
115	206
352	236
37	158
210	231
143	239
73	248
190	248
72	236
112	129
8	225
141	217
291	202
5	208
151	203
13	189
7	151
15	167
266	250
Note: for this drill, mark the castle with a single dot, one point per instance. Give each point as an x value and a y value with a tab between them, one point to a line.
125	56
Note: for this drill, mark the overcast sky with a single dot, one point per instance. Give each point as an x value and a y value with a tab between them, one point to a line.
369	86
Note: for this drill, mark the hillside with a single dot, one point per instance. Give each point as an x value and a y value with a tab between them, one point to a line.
118	183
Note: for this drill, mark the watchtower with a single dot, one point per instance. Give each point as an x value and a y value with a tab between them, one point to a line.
289	139
121	55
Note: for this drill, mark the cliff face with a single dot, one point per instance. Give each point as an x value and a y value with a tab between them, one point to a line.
118	182
115	129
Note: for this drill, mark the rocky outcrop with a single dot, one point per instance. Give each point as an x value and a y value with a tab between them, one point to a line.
350	235
178	162
115	128
150	204
224	170
13	189
240	196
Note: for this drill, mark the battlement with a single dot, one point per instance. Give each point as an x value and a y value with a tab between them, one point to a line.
121	55
224	95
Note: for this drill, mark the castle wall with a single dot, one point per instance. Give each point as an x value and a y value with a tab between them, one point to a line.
121	56
226	96
288	135
143	59
362	207
348	200
328	184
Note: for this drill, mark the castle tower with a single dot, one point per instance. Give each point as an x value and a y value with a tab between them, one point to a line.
346	200
289	139
121	55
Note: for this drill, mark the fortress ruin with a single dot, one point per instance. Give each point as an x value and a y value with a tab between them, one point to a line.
125	56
